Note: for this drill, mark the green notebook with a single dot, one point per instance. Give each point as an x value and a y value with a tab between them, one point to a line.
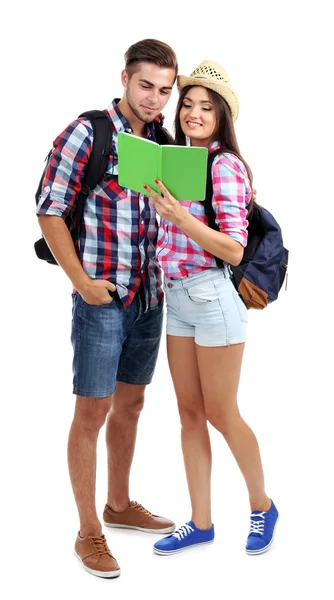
182	169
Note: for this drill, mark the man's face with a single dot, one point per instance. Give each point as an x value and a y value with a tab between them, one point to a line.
148	90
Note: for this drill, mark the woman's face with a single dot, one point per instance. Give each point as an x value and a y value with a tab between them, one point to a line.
198	116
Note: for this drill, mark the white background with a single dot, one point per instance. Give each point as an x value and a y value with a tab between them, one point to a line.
60	59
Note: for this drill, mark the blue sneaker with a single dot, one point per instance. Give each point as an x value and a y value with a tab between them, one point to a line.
188	535
262	529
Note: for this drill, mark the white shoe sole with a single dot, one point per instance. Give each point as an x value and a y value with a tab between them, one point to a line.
105	574
166	552
144	529
262	550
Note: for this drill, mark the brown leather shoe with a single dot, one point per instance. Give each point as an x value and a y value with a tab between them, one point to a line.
96	557
135	516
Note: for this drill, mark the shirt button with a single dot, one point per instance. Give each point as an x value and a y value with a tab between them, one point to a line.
142	222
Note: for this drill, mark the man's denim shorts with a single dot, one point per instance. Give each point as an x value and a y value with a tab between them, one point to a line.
207	307
112	344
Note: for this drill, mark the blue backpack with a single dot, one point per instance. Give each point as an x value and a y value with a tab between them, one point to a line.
261	273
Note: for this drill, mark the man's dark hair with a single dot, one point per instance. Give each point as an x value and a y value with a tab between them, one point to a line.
152	51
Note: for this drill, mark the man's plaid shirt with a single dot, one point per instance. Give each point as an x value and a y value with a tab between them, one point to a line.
119	229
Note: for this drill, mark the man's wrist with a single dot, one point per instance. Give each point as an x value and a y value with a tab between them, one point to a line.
81	283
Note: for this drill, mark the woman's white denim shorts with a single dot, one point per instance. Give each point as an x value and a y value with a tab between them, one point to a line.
207	307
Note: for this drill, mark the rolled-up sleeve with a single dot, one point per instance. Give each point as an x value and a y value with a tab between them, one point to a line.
65	170
231	195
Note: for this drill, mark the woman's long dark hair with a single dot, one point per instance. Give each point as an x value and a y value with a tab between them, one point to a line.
224	134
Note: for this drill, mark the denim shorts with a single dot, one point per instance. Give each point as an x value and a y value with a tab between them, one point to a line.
207	307
112	343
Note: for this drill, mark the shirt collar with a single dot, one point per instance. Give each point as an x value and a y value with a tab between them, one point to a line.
122	124
213	146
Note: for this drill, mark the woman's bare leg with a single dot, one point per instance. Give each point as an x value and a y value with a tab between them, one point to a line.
219	370
194	431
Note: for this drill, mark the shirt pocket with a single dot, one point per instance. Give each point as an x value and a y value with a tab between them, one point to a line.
109	184
112	167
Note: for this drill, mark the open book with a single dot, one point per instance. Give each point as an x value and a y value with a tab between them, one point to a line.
182	169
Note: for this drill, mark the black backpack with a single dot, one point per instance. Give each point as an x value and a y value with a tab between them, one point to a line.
96	167
261	273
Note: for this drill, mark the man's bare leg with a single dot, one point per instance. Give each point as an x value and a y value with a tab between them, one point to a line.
89	417
121	432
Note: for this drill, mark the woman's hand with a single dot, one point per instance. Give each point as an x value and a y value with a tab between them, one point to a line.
217	243
166	205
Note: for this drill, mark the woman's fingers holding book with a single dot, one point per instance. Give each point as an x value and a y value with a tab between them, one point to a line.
166	205
156	198
151	193
164	190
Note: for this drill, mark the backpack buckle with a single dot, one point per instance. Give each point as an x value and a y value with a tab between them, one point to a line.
108	153
85	189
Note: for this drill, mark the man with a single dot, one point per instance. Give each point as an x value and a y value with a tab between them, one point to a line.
117	300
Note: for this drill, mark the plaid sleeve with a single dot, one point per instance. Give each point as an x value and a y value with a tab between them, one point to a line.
231	195
65	169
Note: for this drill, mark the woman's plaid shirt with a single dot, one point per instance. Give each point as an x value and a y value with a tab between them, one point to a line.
178	255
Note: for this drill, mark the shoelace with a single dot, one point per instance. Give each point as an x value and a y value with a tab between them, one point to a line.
183	531
140	508
257	526
101	545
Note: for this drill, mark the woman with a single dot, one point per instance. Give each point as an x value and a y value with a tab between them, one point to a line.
206	319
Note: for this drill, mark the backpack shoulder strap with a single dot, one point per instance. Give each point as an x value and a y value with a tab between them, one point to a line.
98	160
210	213
162	135
208	208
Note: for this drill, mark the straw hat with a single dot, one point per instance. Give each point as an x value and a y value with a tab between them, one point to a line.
211	75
